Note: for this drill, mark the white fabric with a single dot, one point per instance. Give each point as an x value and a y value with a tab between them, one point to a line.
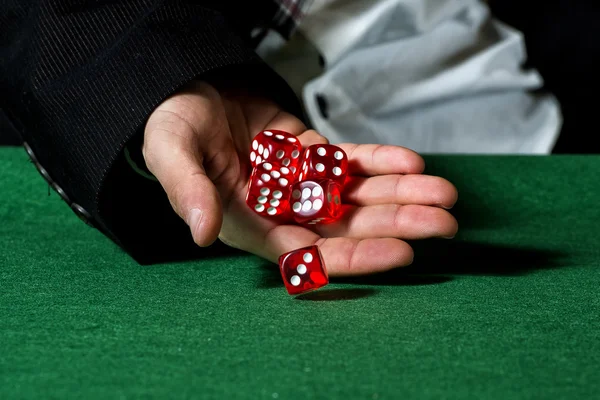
437	76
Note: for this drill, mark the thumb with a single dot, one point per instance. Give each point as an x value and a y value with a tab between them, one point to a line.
173	156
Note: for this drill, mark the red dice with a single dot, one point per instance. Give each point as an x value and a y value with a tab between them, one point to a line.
303	270
316	201
324	161
318	174
277	147
269	189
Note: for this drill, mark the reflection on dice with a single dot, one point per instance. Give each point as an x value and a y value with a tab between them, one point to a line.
316	201
303	270
269	189
324	161
278	163
277	147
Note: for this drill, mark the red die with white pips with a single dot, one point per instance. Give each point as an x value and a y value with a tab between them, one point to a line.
276	147
316	201
324	161
269	190
303	270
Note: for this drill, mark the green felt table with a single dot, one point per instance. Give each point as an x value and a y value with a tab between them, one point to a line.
509	309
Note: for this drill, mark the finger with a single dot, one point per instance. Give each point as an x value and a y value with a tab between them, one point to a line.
171	156
288	123
252	115
410	222
352	257
400	189
199	117
312	137
342	256
284	121
378	159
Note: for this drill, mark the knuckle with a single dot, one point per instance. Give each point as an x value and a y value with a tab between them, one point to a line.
170	124
351	260
399	214
351	149
376	151
398	186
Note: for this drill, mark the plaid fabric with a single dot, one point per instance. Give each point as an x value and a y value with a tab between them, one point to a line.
289	14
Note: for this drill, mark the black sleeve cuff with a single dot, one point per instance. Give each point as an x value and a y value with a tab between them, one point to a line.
84	95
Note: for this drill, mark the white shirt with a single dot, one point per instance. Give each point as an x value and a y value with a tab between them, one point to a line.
436	76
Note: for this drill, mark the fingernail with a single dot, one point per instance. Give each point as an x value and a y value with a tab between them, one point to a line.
193	219
447	237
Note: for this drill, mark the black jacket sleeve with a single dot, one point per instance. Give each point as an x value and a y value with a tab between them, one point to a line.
80	78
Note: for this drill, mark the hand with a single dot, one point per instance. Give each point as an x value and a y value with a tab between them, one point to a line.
197	145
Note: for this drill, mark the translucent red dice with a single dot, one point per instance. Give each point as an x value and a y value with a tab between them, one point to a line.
324	161
269	189
316	201
277	147
303	270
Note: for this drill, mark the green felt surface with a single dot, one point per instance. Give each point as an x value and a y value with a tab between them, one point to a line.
507	310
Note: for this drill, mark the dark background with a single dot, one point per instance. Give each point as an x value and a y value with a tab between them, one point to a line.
563	44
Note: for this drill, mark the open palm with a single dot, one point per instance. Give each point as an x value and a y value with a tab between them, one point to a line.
197	144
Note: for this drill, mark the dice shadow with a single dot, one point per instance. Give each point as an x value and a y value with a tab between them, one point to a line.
460	257
436	262
270	278
337	294
444	260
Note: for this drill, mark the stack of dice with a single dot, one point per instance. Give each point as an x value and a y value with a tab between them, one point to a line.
292	184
